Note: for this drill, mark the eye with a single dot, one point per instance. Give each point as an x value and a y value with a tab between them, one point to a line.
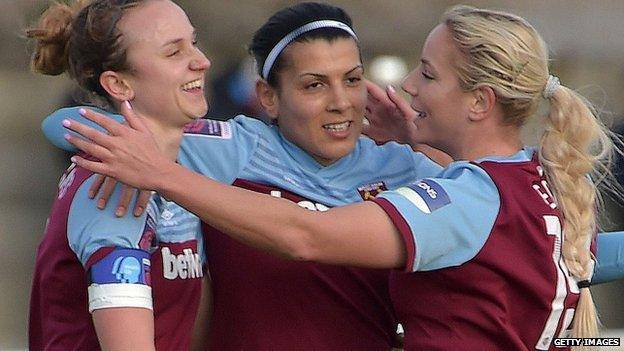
314	85
173	53
427	75
354	80
194	42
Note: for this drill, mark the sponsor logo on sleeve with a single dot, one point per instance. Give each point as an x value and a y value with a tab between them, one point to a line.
426	195
210	128
129	266
370	191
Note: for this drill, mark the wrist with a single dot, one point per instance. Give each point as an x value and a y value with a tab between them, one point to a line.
165	177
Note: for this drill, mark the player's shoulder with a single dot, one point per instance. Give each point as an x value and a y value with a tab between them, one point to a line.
225	129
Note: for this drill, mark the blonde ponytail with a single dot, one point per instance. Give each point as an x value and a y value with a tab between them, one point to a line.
574	145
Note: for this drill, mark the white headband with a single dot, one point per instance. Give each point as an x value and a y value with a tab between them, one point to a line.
551	85
281	45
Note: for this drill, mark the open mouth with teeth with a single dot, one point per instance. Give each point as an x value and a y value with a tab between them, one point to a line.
193	86
338	127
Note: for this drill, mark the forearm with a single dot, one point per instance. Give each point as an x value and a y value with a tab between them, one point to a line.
124	328
358	235
271	224
199	339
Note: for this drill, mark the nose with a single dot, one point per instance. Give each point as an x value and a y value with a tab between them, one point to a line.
408	86
200	62
339	99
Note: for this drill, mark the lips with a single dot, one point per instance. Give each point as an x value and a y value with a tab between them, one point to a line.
419	113
194	85
338	127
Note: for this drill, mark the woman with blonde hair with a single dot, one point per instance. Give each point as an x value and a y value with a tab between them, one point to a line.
496	248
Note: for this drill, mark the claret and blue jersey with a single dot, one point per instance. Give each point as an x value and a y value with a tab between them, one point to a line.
485	269
263	302
89	259
267	303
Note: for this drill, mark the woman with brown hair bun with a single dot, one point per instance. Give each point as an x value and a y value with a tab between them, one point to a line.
101	282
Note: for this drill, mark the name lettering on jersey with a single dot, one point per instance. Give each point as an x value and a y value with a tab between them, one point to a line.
370	191
66	180
209	128
543	190
184	266
312	206
426	195
130	266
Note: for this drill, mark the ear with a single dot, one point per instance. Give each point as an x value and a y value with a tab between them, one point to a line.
268	97
482	104
116	86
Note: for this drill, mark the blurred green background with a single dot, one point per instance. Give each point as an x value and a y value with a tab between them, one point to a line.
586	40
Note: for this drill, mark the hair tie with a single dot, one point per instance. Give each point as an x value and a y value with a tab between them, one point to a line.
583	284
281	45
551	85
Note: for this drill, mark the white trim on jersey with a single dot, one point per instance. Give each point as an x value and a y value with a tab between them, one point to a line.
119	295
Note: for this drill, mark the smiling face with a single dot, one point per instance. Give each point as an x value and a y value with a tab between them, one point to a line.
321	97
167	69
442	105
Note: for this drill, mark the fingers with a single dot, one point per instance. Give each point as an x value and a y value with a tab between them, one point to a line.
124	200
95	186
131	117
113	127
93	166
87	132
141	204
109	187
400	103
88	147
375	92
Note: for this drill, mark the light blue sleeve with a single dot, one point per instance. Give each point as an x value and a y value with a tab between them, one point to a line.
610	257
53	129
220	149
424	167
443	229
90	229
217	149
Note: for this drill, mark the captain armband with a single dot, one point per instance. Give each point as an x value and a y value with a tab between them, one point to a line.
121	279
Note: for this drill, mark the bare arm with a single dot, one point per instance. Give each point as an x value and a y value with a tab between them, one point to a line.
199	339
124	328
360	234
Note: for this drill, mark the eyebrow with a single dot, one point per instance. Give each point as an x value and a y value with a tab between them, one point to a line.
177	40
318	75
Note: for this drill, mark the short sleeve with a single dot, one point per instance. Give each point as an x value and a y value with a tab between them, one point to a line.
220	149
90	229
444	221
52	125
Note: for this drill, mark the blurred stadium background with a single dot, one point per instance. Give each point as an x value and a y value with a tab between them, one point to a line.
586	45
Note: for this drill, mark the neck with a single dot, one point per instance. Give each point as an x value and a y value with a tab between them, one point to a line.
499	141
168	137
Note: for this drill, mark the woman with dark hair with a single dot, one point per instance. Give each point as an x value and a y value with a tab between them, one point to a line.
312	154
488	264
102	282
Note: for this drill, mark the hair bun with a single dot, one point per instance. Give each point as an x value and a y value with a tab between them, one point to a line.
52	36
